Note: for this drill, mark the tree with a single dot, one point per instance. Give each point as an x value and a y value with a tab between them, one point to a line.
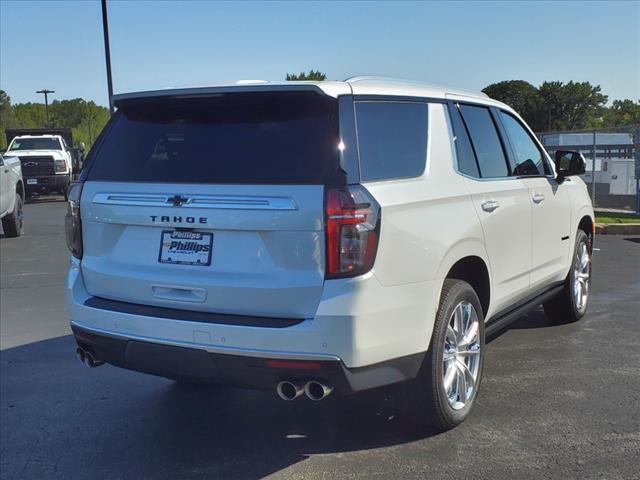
571	106
554	105
315	75
522	97
621	112
85	118
6	117
67	113
29	115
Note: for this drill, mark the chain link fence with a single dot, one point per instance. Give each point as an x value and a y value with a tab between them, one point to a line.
613	163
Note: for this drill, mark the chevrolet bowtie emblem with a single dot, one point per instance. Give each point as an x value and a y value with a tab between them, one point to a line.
178	200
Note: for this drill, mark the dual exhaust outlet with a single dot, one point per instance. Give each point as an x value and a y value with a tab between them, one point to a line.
286	389
313	389
87	358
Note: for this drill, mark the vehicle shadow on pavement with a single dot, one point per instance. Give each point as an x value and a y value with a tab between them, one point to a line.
60	419
45	199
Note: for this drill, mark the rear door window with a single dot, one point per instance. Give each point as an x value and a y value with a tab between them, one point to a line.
248	138
392	139
486	142
466	158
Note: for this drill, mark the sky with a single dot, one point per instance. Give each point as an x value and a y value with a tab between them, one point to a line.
155	44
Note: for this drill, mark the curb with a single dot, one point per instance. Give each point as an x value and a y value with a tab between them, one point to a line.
618	228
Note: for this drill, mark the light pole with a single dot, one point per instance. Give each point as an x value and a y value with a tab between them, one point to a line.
107	53
46	102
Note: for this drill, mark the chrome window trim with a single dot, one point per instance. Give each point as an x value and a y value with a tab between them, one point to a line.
532	136
454	149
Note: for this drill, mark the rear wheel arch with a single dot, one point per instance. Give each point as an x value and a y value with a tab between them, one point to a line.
586	225
474	271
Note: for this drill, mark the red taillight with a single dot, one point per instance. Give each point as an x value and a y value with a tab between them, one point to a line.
352	229
294	364
73	224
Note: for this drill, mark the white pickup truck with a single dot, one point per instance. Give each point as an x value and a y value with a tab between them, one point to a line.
46	162
11	196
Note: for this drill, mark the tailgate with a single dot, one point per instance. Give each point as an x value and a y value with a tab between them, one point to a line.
266	257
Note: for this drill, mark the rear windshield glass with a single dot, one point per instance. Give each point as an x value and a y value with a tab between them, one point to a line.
254	138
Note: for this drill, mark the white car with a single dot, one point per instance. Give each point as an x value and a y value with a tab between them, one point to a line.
11	196
310	237
46	163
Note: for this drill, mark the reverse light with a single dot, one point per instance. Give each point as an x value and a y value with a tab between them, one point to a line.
352	230
72	221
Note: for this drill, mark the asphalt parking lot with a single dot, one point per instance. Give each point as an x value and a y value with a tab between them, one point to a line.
556	401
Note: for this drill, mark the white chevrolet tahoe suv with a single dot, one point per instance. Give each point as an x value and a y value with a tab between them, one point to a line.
310	237
46	163
11	196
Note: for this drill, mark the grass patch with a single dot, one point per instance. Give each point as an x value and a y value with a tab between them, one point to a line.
607	217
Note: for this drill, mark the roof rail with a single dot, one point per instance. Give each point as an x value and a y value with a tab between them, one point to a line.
251	82
360	78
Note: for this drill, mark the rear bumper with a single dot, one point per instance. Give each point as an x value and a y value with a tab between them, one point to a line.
47	183
363	335
260	373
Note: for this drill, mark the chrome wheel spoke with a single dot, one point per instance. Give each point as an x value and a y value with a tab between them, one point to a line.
461	386
451	339
457	321
450	375
470	336
469	381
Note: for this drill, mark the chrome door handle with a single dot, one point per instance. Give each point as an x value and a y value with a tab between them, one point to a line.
490	206
537	198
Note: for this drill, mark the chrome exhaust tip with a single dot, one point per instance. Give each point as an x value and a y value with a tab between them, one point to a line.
87	358
289	390
317	391
91	361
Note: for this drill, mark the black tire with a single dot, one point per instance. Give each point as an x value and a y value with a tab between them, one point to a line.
429	404
564	308
12	223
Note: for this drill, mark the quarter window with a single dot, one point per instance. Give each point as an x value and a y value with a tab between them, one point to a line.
529	160
392	139
486	143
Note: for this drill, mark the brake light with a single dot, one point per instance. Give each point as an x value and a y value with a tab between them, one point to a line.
73	223
352	229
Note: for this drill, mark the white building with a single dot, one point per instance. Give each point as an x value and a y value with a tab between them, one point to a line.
614	164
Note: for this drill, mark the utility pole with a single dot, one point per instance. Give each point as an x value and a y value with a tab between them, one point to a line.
107	53
46	102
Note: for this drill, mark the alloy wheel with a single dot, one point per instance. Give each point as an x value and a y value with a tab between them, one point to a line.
581	277
461	358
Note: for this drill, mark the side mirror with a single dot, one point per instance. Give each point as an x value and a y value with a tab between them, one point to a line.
81	146
569	163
